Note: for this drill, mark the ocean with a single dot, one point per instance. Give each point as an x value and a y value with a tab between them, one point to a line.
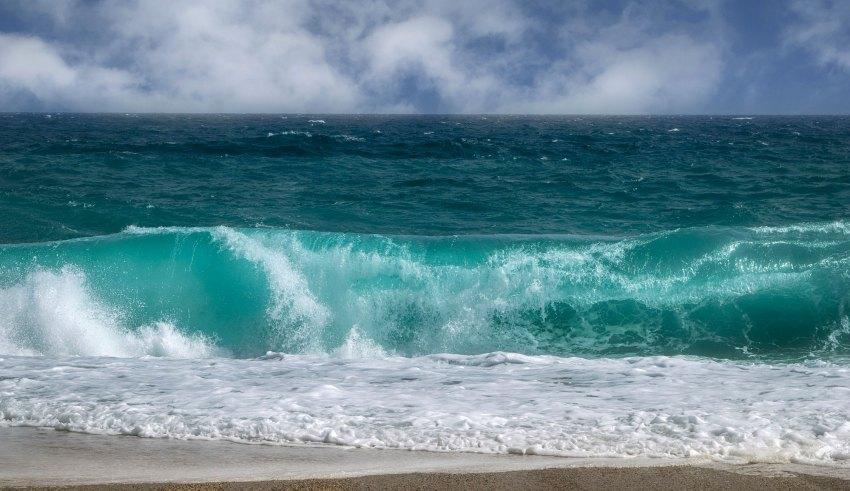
672	286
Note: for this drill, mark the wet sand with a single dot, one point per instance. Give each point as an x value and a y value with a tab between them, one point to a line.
37	458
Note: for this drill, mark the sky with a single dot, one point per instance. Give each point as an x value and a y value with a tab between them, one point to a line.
440	56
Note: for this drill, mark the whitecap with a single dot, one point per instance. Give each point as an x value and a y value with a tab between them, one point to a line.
54	312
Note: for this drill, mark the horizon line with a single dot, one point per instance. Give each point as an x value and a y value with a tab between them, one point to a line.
157	113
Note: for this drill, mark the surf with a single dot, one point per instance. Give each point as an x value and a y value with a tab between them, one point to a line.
727	292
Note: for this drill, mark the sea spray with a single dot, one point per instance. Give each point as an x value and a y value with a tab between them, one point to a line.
55	313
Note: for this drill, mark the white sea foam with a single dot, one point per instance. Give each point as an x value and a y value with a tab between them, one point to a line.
53	312
358	346
349	138
836	227
291	132
498	402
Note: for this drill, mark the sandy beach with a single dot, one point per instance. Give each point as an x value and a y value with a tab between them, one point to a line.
39	458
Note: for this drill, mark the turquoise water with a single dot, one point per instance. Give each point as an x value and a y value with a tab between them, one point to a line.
238	235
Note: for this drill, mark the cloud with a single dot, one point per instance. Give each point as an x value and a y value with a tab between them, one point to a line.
230	56
377	56
822	28
28	62
34	68
180	56
662	75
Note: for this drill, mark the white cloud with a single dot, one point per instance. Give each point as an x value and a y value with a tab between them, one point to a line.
426	48
232	56
31	65
663	75
315	56
422	43
823	28
28	62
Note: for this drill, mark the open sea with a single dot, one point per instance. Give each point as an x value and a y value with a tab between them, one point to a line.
573	286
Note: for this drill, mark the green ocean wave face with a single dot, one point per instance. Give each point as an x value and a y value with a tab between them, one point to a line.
728	292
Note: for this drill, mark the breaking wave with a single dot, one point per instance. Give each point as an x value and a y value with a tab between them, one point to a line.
196	292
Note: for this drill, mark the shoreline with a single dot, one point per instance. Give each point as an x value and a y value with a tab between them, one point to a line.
44	458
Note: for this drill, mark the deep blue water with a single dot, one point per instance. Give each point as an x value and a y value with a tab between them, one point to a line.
713	236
